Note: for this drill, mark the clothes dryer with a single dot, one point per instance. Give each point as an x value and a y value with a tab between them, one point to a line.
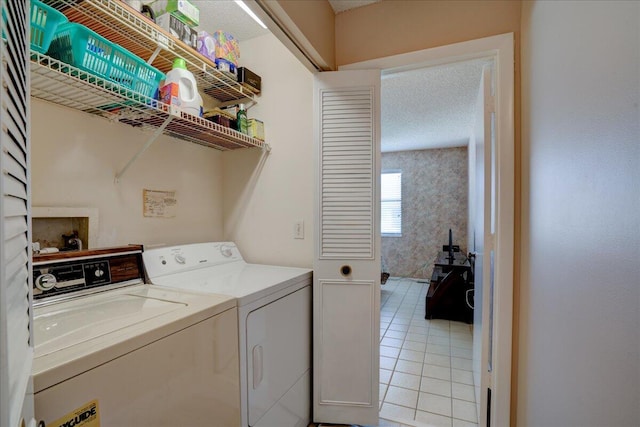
274	324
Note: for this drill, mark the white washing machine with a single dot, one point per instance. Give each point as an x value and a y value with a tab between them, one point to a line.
112	351
274	324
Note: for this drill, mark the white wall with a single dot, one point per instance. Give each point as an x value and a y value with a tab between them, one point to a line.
75	157
265	195
579	332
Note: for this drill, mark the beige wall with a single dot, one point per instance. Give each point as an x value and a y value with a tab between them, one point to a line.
74	160
392	27
315	21
579	340
434	199
265	196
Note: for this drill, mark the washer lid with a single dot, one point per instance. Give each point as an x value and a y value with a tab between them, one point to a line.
76	335
64	325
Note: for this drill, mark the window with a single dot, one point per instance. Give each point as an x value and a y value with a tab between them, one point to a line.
391	197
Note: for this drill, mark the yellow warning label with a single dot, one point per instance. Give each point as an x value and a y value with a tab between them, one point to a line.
88	415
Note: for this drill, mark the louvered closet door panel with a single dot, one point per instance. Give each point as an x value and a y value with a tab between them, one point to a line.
347	160
16	400
346	287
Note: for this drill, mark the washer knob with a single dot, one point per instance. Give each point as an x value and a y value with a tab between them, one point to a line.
180	259
46	282
226	251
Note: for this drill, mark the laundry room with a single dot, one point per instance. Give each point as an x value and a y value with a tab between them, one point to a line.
159	209
191	215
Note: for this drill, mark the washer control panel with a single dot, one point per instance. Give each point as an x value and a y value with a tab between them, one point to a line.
71	276
85	273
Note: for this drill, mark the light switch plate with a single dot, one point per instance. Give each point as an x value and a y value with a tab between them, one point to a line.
298	229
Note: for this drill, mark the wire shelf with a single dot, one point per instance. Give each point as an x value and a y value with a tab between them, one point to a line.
62	84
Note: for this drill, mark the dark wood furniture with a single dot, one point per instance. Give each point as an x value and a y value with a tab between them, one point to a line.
447	295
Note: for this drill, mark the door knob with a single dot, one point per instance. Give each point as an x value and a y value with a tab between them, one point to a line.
345	270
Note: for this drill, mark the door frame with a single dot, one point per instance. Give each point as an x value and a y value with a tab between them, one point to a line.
501	48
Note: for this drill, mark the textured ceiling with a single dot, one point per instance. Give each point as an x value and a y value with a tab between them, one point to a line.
342	5
226	15
429	107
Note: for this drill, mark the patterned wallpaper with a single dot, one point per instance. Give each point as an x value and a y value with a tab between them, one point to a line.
434	199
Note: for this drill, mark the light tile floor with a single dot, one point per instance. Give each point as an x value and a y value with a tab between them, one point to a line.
425	365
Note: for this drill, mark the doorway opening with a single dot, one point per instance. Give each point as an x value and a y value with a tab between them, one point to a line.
501	190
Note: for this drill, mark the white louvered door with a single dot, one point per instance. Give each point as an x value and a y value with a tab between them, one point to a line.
16	348
347	240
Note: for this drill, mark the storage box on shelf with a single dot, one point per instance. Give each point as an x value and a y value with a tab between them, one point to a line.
178	29
183	9
219	45
249	79
255	129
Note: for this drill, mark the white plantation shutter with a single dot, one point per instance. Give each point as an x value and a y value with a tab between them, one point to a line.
16	349
391	203
347	185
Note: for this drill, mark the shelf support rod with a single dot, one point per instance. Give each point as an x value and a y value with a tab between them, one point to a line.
146	145
154	55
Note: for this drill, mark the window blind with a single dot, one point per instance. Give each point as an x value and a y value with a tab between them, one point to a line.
391	203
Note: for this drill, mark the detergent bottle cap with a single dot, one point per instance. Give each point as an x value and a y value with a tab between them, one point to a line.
179	63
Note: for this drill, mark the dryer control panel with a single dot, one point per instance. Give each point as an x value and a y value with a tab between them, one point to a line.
179	259
85	272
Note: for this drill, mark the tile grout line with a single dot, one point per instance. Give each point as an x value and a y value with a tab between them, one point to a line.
451	373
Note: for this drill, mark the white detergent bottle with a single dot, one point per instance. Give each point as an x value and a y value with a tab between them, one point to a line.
184	94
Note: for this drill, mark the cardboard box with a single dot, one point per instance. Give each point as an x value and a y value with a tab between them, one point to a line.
219	45
184	9
226	67
170	94
221	120
249	79
255	129
179	29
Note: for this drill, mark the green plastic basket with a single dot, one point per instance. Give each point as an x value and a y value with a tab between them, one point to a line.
44	23
83	48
